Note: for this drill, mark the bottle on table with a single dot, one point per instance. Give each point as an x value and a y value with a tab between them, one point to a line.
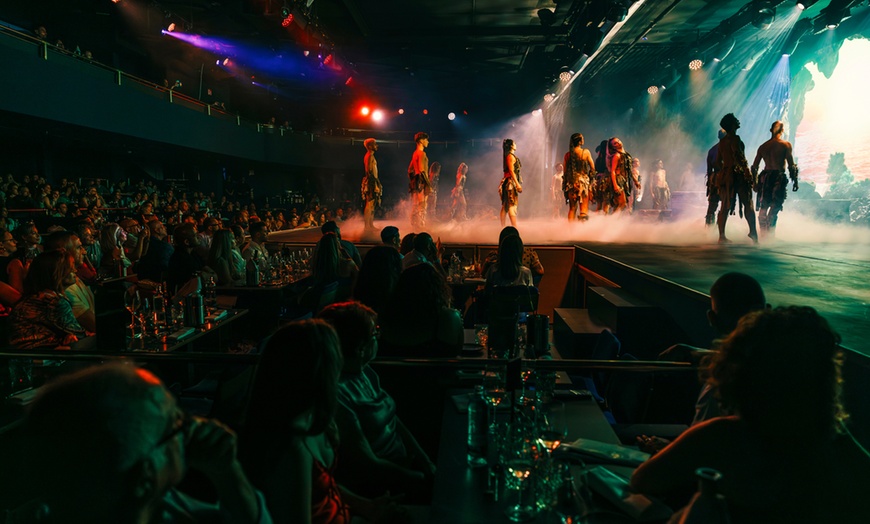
252	271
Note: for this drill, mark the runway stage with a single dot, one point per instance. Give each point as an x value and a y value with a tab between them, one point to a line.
808	263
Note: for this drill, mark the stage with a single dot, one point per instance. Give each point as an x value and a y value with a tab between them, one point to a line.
807	263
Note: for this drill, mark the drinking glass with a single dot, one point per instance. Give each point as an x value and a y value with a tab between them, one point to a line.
132	303
494	390
552	427
518	465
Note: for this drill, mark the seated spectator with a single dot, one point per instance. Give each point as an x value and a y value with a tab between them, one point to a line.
138	239
509	270
378	276
418	319
44	317
222	258
348	247
407	244
530	257
377	452
390	237
28	241
425	252
291	439
257	245
155	262
239	238
184	262
93	254
112	444
112	239
330	264
8	294
786	454
78	293
210	226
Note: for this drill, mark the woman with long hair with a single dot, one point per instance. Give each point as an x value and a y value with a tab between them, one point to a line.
786	454
44	317
418	319
112	239
459	208
509	270
291	439
511	184
222	258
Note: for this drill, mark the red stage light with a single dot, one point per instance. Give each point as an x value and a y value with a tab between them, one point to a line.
365	111
425	111
348	81
327	60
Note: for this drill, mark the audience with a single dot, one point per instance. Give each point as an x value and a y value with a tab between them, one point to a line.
80	296
116	445
155	262
390	237
222	258
184	262
291	439
378	276
418	320
377	452
44	316
785	454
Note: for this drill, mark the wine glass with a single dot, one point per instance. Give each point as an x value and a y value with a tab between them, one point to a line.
494	391
132	303
553	427
518	465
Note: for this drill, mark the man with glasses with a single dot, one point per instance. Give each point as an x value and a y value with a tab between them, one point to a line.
110	444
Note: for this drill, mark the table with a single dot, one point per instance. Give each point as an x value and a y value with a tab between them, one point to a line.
267	301
459	496
162	344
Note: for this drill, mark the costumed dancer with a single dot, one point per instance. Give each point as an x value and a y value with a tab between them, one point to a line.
418	181
458	210
432	199
635	181
712	182
659	189
735	179
577	179
556	193
619	163
371	185
772	184
602	190
511	184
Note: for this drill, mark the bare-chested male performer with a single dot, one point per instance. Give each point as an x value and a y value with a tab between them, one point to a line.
371	184
772	183
712	194
577	178
734	179
658	187
418	181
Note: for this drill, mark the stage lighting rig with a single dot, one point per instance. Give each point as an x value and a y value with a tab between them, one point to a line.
805	4
764	14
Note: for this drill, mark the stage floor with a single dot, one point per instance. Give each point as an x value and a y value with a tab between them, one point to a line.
813	264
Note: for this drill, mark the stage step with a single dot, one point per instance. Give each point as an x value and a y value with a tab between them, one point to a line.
575	332
643	329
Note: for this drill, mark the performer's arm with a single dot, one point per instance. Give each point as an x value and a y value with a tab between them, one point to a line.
755	163
792	167
513	173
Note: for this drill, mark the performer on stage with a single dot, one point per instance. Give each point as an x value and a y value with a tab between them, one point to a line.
635	181
601	192
371	184
619	164
557	195
459	209
712	181
432	199
772	183
577	179
659	189
735	180
512	183
418	181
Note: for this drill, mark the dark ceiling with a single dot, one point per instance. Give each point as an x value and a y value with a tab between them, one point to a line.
490	57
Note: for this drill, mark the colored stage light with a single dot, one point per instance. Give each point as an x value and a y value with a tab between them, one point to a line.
451	116
365	110
425	111
401	111
696	64
377	115
170	28
652	90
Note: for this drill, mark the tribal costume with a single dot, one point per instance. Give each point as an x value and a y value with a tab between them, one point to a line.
576	180
772	184
507	190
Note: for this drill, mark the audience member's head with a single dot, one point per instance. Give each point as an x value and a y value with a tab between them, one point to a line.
510	257
732	296
222	245
357	328
378	276
307	403
108	439
184	236
506	232
27	235
325	263
424	244
68	241
238	234
407	244
157	228
330	226
112	237
420	291
780	368
50	271
8	244
390	237
258	232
